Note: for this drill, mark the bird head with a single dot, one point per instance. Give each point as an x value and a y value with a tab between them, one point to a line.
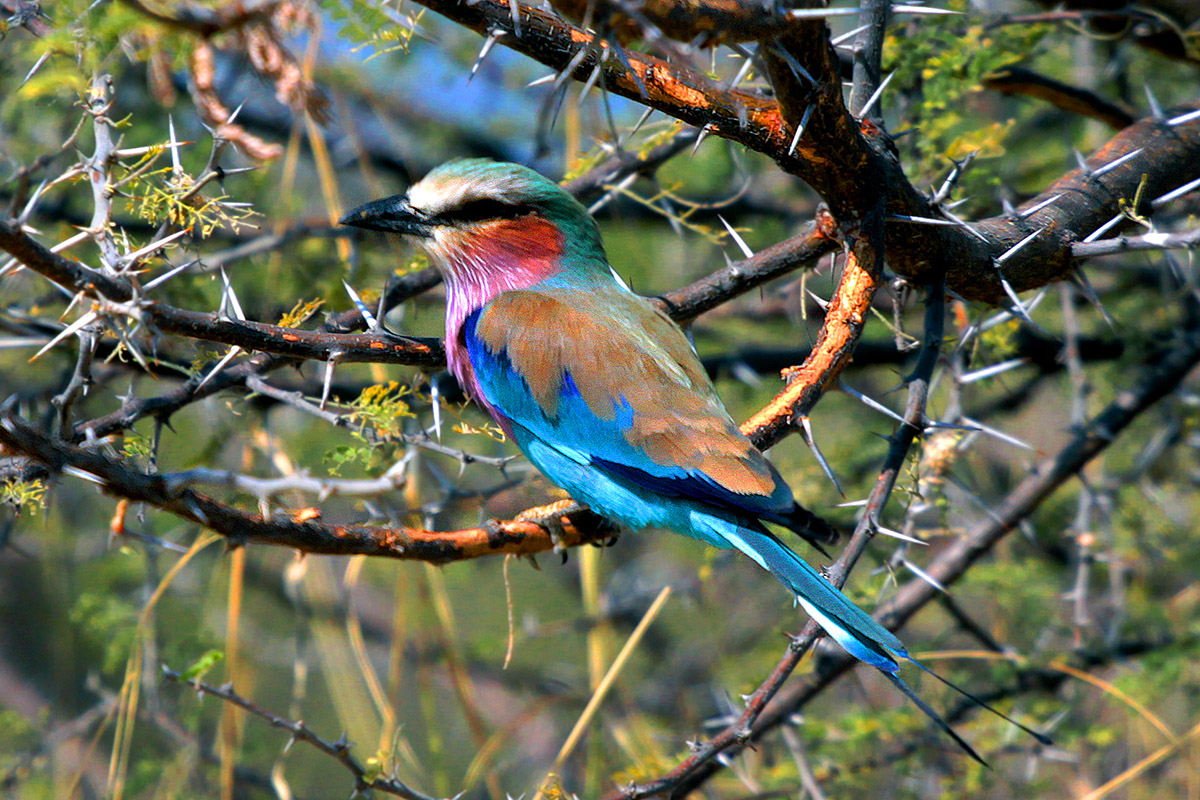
488	223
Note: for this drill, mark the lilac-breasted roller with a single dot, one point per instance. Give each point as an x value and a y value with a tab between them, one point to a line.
599	388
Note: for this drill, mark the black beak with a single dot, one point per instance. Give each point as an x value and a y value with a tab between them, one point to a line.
390	215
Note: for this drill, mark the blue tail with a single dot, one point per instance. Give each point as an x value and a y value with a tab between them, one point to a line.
851	627
855	630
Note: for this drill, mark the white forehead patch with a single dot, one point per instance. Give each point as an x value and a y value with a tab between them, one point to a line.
436	194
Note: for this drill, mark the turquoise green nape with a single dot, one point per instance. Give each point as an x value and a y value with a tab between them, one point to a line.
520	185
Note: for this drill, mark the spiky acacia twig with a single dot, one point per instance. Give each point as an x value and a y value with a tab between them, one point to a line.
1028	207
299	731
805	249
840	160
1156	382
739	733
302	531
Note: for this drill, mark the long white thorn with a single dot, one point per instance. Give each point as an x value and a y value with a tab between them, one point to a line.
488	44
330	365
904	8
233	351
65	332
58	248
923	575
1018	308
866	109
1116	162
1016	248
1103	229
904	537
1082	162
848	35
800	130
613	191
1029	212
1155	109
997	434
991	371
747	62
810	439
83	474
166	276
591	81
737	239
921	220
1081	280
42	59
1182	118
229	298
795	66
435	400
514	6
1175	193
819	13
27	211
233	117
875	404
176	166
636	126
161	243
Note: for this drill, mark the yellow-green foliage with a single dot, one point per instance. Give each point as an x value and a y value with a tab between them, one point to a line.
82	43
24	496
943	61
301	313
383	408
174	199
369	26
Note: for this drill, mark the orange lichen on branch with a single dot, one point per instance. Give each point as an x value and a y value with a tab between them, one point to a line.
545	528
306	533
537	530
675	90
832	353
117	524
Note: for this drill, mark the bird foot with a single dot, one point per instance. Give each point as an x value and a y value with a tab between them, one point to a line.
552	517
569	522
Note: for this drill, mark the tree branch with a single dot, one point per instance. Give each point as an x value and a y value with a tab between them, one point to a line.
1156	382
516	537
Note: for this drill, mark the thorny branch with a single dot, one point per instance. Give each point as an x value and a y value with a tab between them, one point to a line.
738	734
951	564
840	160
300	732
807	129
803	250
303	531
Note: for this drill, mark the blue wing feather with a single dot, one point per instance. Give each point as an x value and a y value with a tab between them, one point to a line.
575	430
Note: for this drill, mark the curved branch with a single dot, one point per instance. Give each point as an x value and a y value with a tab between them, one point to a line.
841	160
703	760
802	250
840	331
517	537
951	564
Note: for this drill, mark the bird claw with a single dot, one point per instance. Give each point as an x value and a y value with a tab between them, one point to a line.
550	517
556	519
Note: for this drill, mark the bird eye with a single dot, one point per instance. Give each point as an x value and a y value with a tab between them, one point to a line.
485	209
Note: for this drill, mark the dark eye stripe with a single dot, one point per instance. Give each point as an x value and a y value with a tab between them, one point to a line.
486	209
